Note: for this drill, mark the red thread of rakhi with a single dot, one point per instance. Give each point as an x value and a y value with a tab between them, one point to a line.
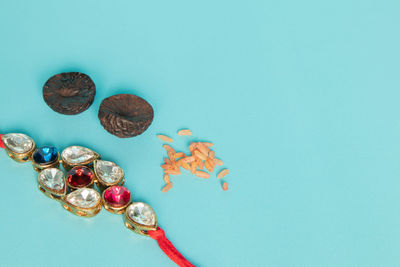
168	248
1	142
162	240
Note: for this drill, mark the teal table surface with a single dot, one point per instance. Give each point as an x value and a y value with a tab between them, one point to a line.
300	98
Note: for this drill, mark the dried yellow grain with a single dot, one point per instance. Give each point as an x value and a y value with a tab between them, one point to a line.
218	162
222	173
166	179
173	172
200	155
211	154
193	167
192	147
212	163
166	166
225	186
185	132
189	159
203	149
169	148
179	155
208	166
165	138
184	164
202	174
166	188
207	144
175	166
171	156
200	164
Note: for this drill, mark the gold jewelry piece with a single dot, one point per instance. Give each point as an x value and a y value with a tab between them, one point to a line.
19	147
85	202
115	175
52	183
138	223
41	166
117	209
76	192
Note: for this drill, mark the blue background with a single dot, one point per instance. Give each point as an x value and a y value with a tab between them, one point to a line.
301	99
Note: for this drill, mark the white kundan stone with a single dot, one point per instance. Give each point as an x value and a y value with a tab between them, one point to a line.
17	142
84	198
108	171
52	178
142	213
77	154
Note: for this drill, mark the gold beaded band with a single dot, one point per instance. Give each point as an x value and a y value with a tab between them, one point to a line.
76	191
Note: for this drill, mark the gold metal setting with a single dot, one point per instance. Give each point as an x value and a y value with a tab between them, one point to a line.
52	193
91	185
83	212
39	167
102	185
20	157
115	210
61	195
137	227
68	166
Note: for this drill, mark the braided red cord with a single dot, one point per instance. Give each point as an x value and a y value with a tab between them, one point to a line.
1	142
168	248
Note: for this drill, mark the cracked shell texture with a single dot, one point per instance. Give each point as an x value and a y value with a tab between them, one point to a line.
69	93
125	115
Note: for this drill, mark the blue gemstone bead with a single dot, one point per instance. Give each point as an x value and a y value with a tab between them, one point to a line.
45	154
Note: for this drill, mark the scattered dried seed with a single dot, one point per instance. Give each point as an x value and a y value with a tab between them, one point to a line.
179	155
185	132
211	154
167	187
202	174
165	138
200	163
218	162
225	186
168	148
222	173
166	166
185	165
175	167
192	147
212	163
203	149
189	159
173	172
200	155
193	167
166	179
207	144
171	156
208	166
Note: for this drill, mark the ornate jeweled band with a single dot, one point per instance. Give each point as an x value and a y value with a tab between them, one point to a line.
75	190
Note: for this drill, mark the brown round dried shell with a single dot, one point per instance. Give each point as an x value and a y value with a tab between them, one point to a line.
69	93
125	115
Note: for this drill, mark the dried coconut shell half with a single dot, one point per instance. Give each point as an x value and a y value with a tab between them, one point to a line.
69	93
125	115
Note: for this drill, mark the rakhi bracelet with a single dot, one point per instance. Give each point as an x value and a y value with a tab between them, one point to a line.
75	191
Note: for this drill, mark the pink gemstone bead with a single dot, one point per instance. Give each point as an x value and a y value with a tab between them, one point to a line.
117	196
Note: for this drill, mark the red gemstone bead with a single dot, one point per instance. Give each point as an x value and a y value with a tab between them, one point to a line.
117	196
80	176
